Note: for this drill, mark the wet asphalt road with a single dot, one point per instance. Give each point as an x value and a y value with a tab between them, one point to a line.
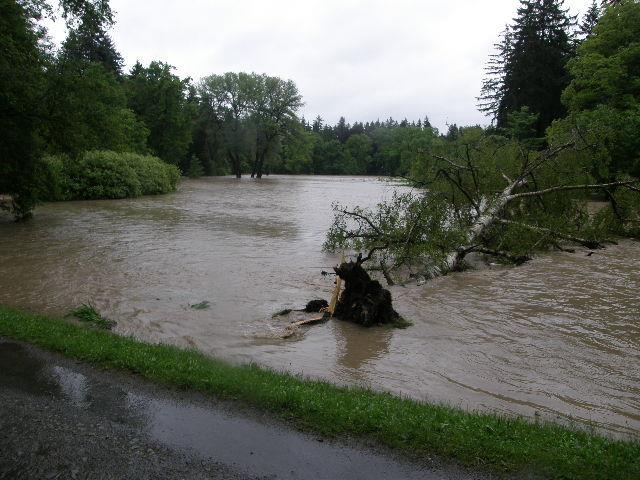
61	419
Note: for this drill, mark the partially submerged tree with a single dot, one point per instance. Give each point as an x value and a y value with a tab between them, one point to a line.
274	104
503	197
250	114
482	194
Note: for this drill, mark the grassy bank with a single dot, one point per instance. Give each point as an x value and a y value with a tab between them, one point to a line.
477	440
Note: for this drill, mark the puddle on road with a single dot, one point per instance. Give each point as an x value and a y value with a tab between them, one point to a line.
238	441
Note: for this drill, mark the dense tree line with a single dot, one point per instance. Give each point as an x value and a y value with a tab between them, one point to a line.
78	98
57	105
372	148
64	102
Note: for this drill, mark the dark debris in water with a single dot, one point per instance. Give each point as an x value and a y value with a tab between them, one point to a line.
201	306
314	306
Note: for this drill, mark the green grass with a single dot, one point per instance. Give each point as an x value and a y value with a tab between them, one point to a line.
490	442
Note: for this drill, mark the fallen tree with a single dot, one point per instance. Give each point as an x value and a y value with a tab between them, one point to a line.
490	196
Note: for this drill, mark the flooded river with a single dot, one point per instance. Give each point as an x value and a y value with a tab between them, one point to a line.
558	338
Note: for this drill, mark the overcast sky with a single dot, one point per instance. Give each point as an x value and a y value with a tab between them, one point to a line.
361	59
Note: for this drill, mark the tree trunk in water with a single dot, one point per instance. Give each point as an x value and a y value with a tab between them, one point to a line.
237	166
363	300
488	214
260	164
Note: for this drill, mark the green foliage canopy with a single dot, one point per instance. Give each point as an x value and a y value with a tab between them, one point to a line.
158	97
603	97
21	88
87	109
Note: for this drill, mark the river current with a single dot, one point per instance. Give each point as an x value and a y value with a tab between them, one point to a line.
555	339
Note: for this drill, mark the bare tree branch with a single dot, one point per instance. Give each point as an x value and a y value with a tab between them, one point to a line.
461	188
545	157
364	218
362	259
453	164
559	188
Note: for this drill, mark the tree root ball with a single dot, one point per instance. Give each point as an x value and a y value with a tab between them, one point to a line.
363	300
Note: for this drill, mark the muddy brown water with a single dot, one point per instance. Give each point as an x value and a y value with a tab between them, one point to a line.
556	339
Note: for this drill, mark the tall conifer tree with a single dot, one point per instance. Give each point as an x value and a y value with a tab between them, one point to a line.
88	40
529	67
589	20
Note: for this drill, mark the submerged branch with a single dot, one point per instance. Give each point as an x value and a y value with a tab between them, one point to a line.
515	259
592	244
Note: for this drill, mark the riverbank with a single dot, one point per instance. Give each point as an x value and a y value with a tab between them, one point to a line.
488	442
64	419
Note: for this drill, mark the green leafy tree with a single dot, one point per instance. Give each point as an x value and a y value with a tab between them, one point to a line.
208	141
227	101
328	157
87	110
247	116
274	103
589	20
603	97
296	151
21	88
159	98
342	130
195	168
358	150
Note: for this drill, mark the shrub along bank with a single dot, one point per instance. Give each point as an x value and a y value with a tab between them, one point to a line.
103	174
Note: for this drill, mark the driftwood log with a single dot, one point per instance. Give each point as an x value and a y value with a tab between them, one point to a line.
363	300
